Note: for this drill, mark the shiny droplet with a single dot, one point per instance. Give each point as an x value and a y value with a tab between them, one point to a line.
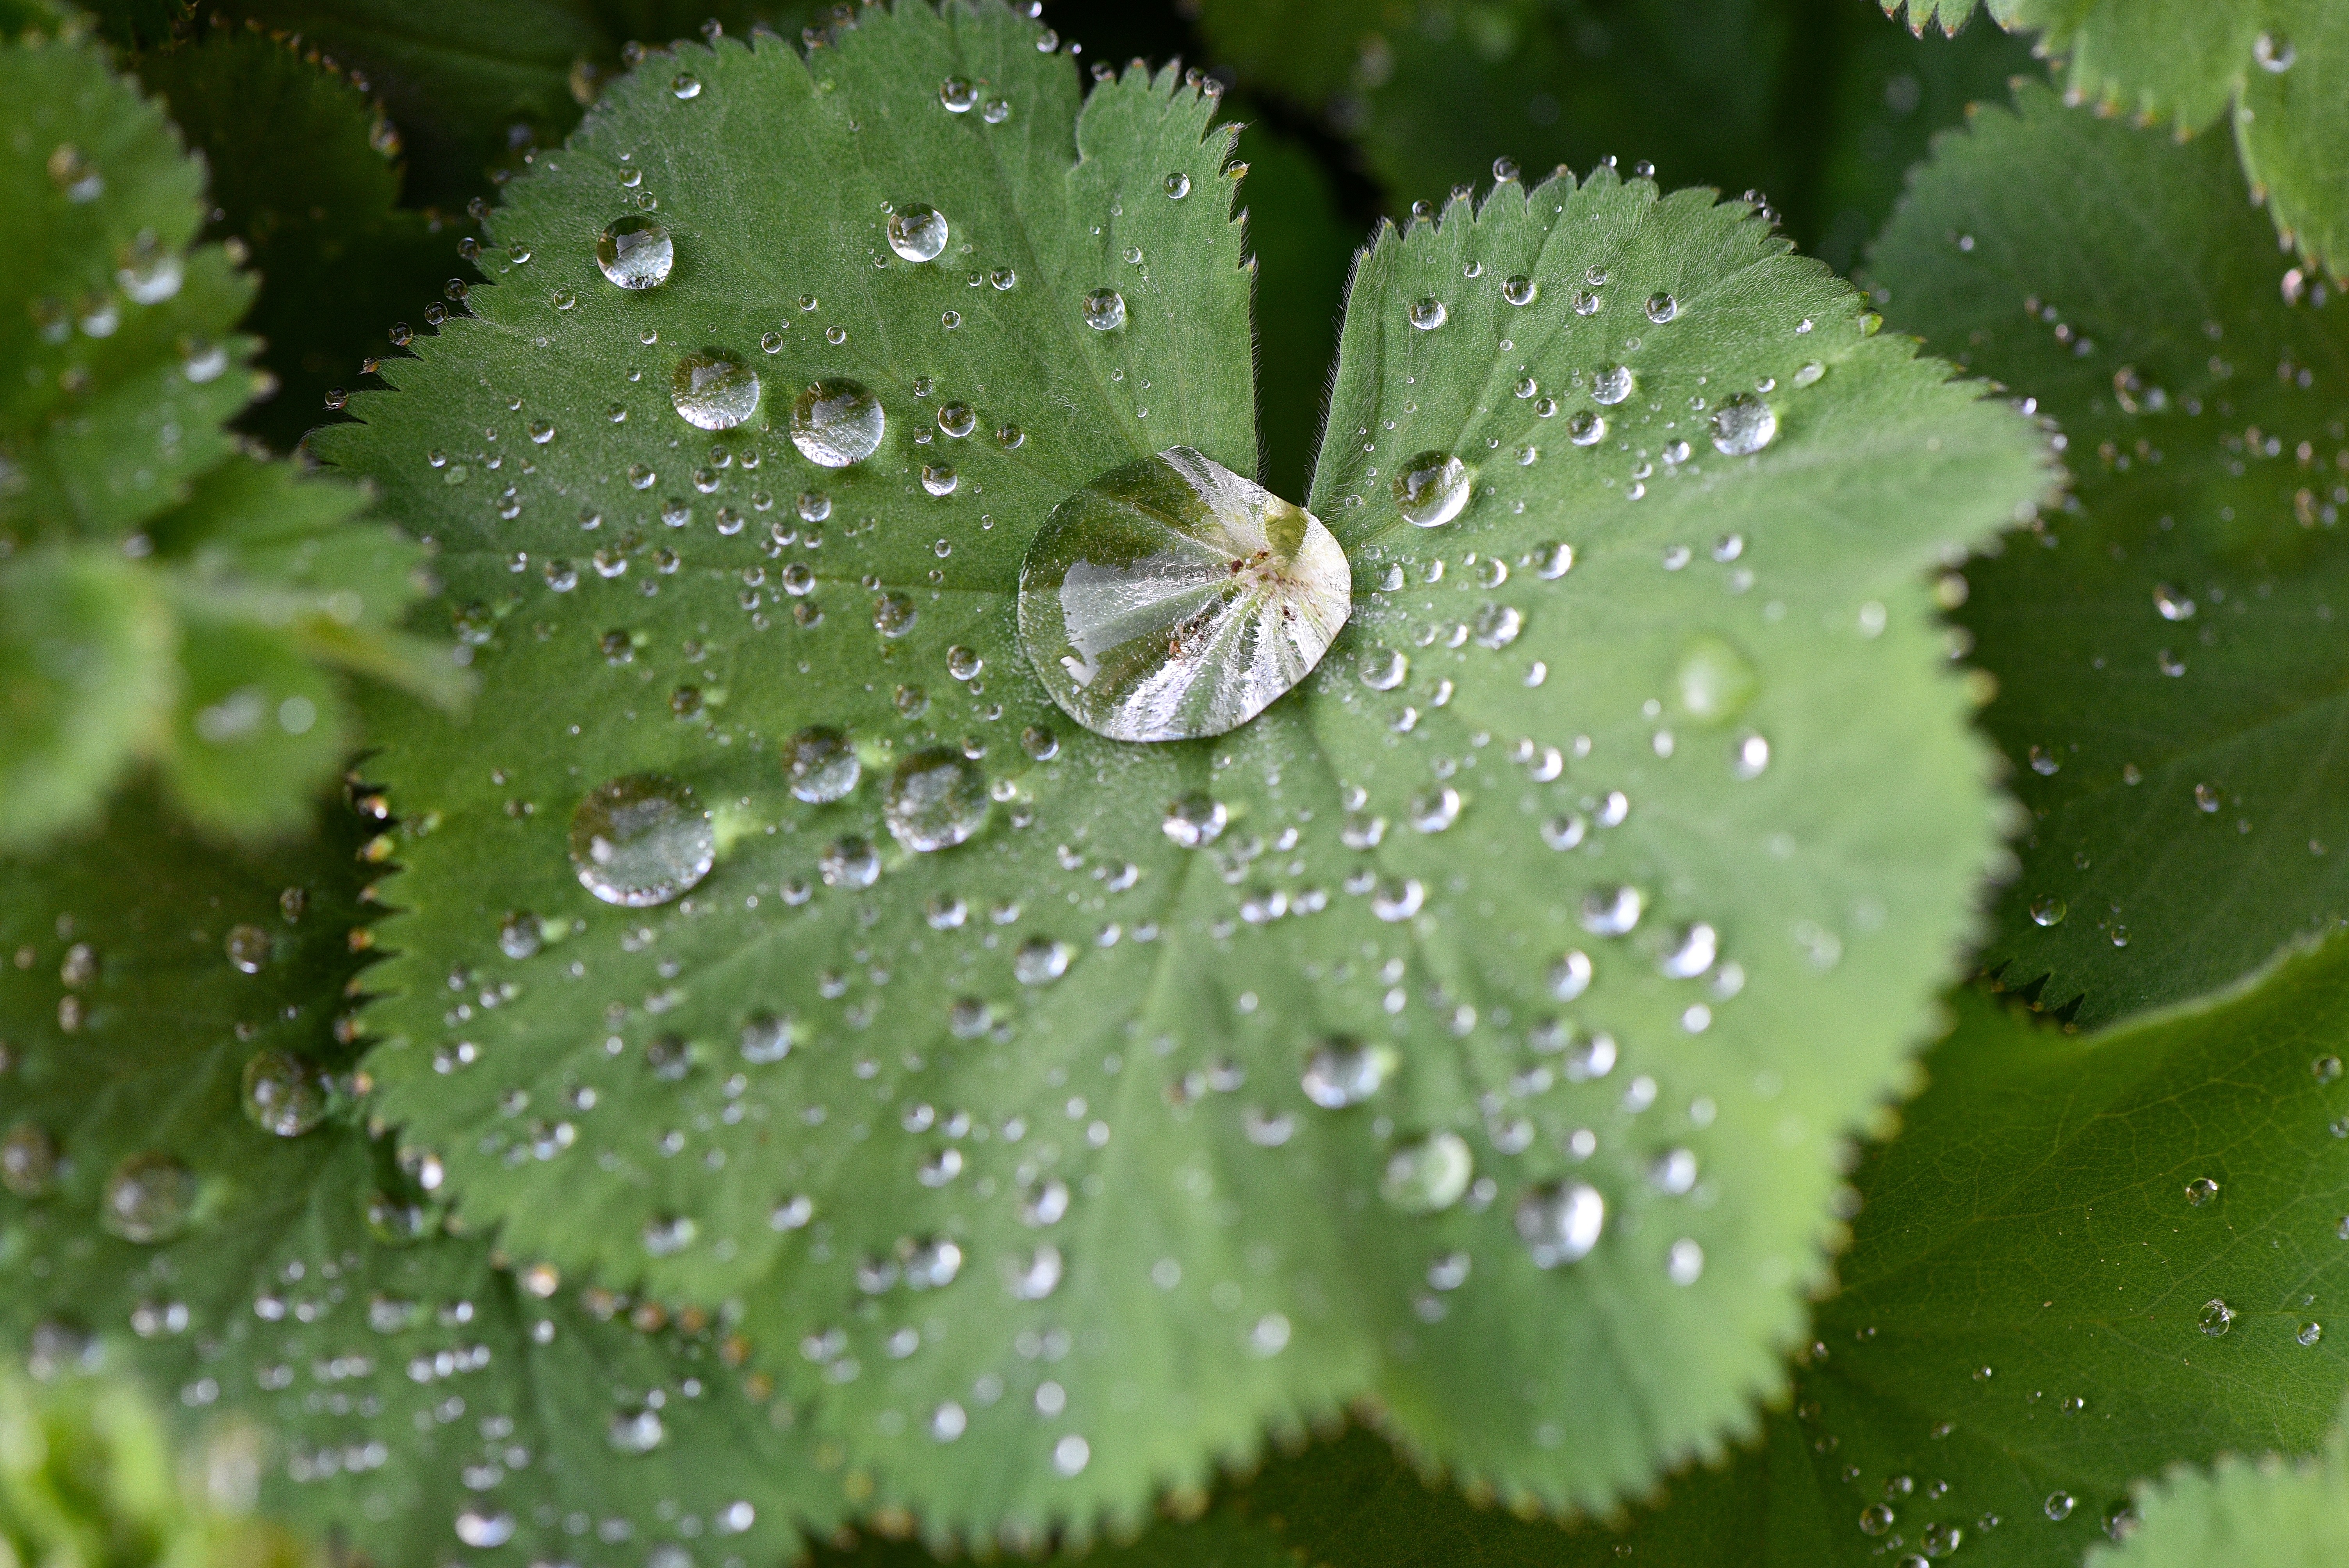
1105	310
1715	680
1611	384
2215	1318
1560	1223
1744	424
635	253
1432	489
1519	290
149	1199
917	232
29	1159
1347	1072
641	839
837	422
822	765
936	799
1428	1175
2048	910
1172	598
283	1094
1427	312
1195	821
714	390
1178	186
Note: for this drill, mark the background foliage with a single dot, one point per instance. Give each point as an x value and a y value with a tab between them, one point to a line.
2086	1274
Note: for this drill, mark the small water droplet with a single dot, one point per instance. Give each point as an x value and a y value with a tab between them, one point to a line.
937	799
1560	1222
1744	424
641	839
917	232
29	1159
2048	910
836	422
1520	289
1715	680
714	390
1585	429
1105	310
1662	308
1340	1073
2059	1506
1874	1519
1427	1175
636	251
2274	52
1432	489
2201	1191
1040	960
283	1094
1427	312
2215	1318
149	1199
1195	821
636	1431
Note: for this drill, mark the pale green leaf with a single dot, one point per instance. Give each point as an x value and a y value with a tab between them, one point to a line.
2260	1510
2170	664
1225	1260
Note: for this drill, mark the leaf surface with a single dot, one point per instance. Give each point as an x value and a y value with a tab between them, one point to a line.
1037	1212
415	1391
2171	672
173	601
2242	1510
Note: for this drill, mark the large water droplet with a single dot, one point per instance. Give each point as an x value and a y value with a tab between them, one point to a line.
635	253
1428	1175
1560	1224
714	390
837	422
822	763
248	948
936	799
1431	489
1715	681
149	1198
1427	312
1744	424
1347	1072
917	232
641	839
1611	384
1172	598
283	1094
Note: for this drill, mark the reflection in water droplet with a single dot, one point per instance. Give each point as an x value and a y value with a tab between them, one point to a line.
1874	1519
1744	424
635	252
714	390
1040	960
2215	1318
1427	313
1560	1224
936	800
837	422
1715	680
248	948
149	1199
1179	185
958	94
1519	290
1662	308
2048	910
641	839
1195	821
1429	1175
29	1159
637	1431
665	1235
1172	598
1347	1072
2059	1506
1611	384
1432	489
1105	310
1611	912
822	765
1585	429
283	1094
1383	669
2201	1191
917	232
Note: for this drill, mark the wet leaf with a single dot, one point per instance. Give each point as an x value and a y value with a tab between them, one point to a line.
2170	670
1189	1087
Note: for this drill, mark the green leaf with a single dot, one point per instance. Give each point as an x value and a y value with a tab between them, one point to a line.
401	1386
1822	111
2023	1328
2268	65
2169	682
2263	1510
302	176
1115	1023
170	600
87	1476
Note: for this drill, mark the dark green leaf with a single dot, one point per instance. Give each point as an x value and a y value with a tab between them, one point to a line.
2170	673
401	1387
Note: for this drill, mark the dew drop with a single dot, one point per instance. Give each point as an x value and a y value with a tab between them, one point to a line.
714	390
917	232
1560	1222
1662	308
1040	960
636	1431
641	839
1519	290
2048	910
1742	426
1432	489
2215	1318
958	94
1195	821
1172	598
937	799
2201	1191
1715	680
1611	384
248	948
1585	429
636	251
1340	1073
149	1199
1427	312
1428	1175
837	422
2059	1506
1105	310
29	1159
283	1094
